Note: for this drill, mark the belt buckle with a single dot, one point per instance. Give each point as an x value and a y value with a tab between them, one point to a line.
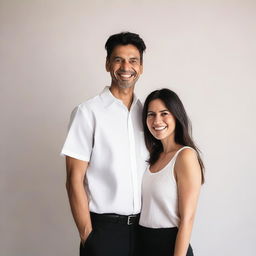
129	220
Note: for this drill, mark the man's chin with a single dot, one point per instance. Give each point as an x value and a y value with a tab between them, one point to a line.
124	85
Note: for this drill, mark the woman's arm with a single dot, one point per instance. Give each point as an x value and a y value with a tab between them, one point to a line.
188	175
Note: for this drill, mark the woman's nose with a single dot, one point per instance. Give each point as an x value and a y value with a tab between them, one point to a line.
157	119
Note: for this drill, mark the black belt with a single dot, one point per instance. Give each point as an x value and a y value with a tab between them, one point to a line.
116	218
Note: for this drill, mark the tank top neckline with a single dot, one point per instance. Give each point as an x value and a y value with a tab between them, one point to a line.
174	156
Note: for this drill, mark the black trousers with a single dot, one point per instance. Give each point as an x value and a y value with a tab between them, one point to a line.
158	241
110	239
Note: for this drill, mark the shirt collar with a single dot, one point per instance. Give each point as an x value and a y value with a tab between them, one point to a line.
108	98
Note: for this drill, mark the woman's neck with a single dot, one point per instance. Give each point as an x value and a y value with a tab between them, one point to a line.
169	145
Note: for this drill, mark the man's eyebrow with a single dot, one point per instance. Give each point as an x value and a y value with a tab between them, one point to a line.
131	58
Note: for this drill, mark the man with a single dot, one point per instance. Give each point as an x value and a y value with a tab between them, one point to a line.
105	156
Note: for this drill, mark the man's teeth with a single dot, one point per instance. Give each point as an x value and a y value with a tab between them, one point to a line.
159	128
126	76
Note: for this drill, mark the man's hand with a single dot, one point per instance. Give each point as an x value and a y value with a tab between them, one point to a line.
85	236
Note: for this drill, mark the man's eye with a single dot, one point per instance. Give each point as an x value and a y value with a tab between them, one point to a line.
117	60
133	61
165	113
150	114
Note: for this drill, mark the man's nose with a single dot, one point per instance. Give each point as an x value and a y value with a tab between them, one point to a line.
125	65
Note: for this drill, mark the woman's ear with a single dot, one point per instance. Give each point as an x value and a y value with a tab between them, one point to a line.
107	65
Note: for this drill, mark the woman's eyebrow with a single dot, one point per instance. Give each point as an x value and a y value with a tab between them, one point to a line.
159	111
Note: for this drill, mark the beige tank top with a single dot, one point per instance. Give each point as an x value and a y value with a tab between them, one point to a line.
160	197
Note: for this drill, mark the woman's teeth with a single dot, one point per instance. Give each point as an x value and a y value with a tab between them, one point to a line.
160	128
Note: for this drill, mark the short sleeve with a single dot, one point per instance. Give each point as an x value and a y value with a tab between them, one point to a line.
79	139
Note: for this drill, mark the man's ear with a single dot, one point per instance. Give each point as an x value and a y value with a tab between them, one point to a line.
141	68
107	65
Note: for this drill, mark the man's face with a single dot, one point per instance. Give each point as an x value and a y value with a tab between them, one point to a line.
124	65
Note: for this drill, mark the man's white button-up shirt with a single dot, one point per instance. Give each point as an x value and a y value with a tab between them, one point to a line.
106	134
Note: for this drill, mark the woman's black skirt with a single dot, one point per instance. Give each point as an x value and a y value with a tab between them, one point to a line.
158	242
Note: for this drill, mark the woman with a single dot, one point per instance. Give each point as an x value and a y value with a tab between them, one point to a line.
172	182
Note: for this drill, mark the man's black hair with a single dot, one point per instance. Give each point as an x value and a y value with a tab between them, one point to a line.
125	38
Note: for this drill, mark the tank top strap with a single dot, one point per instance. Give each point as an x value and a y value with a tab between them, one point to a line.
177	153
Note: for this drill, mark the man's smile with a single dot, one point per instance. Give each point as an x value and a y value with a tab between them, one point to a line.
125	75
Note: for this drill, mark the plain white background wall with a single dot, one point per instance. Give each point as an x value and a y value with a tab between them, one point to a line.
52	58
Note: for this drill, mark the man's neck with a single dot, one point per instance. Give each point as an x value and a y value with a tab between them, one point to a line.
123	94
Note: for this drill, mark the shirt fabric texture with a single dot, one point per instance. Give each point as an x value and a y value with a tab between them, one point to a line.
160	197
106	134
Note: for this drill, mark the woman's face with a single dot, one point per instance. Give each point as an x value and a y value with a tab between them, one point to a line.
160	121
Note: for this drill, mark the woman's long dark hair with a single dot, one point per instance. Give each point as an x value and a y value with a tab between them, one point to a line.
183	129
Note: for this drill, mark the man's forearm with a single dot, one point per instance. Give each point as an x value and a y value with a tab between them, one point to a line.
79	206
